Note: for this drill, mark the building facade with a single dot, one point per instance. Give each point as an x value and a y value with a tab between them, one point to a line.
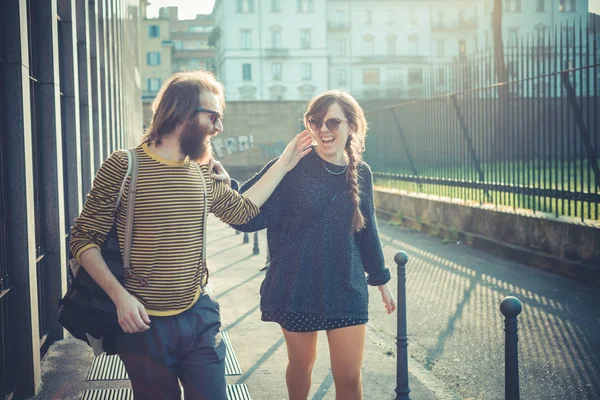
71	95
259	57
374	49
171	45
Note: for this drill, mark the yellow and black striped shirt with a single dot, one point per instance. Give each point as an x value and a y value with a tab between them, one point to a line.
168	224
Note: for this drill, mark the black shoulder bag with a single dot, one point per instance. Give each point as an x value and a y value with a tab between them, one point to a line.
86	311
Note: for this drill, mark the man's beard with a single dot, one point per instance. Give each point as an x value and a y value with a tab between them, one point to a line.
193	141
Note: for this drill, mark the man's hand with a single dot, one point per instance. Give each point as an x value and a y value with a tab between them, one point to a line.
132	314
218	172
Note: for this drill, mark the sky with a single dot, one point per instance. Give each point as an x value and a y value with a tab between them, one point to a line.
189	8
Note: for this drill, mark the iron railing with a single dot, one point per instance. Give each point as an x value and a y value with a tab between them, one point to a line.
530	142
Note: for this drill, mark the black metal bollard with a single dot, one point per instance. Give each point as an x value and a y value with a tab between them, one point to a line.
255	249
402	389
511	307
246	237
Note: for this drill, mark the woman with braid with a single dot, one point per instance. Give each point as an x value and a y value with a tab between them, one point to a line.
322	238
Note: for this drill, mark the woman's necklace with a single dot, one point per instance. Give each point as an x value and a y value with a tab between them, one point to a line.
335	173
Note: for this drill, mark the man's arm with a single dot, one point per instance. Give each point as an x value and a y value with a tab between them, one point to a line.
131	313
260	192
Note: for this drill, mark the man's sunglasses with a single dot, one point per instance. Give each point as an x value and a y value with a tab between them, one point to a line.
214	115
332	123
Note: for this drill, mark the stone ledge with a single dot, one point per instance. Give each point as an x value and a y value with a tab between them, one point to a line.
567	246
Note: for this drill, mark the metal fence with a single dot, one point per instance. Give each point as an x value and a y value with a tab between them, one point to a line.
529	142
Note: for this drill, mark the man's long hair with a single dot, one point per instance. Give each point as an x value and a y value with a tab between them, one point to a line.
177	100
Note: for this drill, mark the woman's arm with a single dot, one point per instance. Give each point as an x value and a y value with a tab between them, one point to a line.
368	239
369	243
236	209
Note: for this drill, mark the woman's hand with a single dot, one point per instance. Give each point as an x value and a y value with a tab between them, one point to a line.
295	150
388	298
218	172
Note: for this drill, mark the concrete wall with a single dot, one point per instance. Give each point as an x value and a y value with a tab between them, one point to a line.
563	245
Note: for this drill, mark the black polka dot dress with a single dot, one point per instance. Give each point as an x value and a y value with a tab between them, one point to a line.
306	322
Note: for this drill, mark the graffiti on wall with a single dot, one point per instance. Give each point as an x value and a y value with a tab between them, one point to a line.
230	145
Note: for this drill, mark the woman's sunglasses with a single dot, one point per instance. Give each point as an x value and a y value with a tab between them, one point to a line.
332	123
214	115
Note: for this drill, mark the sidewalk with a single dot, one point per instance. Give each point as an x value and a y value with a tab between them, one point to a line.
257	346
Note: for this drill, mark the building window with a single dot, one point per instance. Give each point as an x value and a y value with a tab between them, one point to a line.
567	6
154	31
391	45
441	75
395	77
245	6
414	40
341	77
247	72
438	20
200	28
368	17
513	36
340	18
512	5
306	71
342	47
568	37
412	17
306	6
275	5
276	71
371	76
369	45
439	48
415	76
391	17
178	44
246	42
540	6
540	30
153	58
153	84
276	37
305	39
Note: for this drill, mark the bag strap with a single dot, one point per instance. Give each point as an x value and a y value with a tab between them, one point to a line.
204	227
315	218
133	171
122	190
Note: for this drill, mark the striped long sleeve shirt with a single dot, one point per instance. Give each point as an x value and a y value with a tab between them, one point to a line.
168	224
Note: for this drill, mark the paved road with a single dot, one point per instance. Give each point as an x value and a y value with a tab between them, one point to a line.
456	329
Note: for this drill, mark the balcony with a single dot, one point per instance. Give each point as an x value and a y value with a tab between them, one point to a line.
456	26
277	53
193	53
338	26
390	59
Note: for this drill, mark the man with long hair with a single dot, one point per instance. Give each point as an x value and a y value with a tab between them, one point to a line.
171	325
